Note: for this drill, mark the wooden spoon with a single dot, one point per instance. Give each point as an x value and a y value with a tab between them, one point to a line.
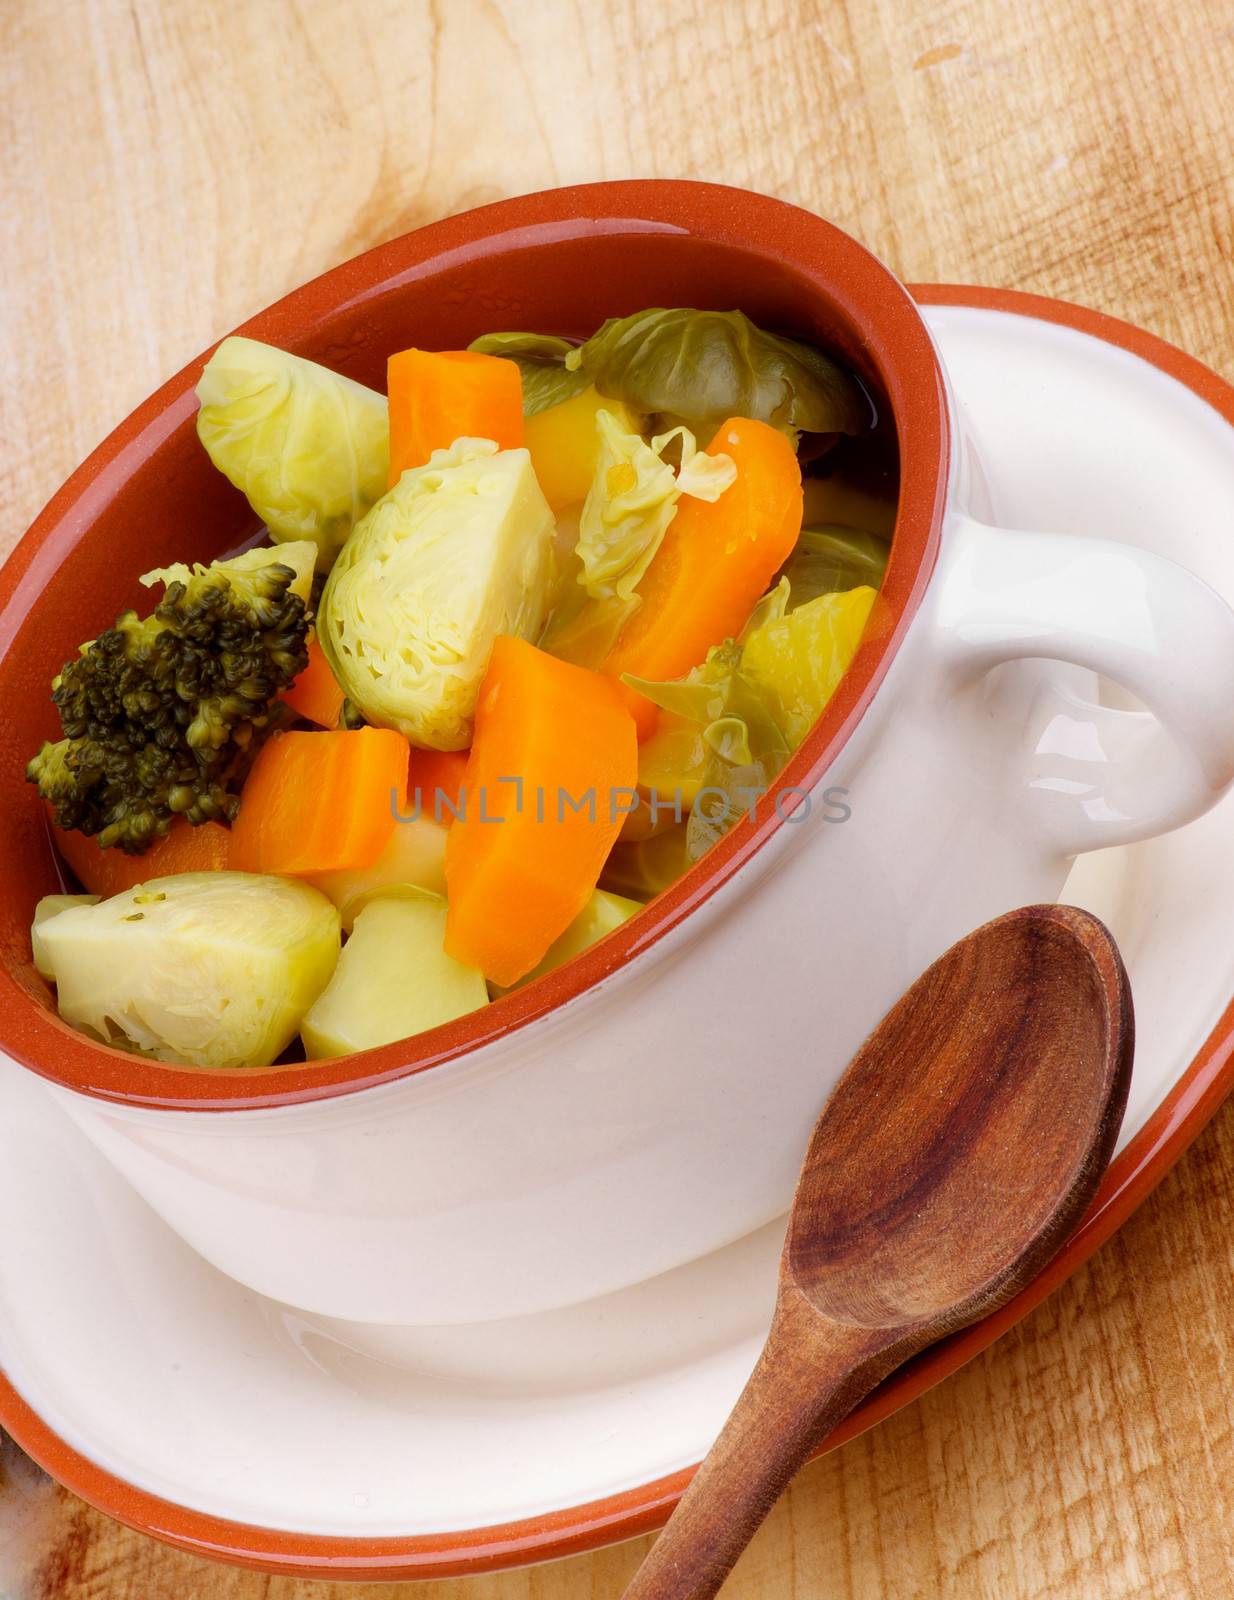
958	1151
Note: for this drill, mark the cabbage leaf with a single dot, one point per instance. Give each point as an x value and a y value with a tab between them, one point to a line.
308	448
743	742
633	498
829	559
795	662
754	699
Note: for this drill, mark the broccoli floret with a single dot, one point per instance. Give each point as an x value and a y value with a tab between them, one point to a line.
159	712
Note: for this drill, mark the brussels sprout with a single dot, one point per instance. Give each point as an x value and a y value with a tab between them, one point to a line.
541	361
459	551
393	979
701	367
827	560
215	969
309	448
798	660
51	905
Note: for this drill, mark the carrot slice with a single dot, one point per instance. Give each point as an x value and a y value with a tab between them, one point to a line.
438	775
320	802
316	695
718	557
438	396
183	848
554	759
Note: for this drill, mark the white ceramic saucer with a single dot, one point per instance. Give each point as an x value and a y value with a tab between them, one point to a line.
174	1398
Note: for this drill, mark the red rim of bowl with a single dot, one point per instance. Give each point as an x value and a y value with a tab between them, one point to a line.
897	347
1133	1174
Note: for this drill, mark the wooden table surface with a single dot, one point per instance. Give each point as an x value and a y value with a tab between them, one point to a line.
167	167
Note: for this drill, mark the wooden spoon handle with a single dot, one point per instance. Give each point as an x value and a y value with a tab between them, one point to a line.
810	1375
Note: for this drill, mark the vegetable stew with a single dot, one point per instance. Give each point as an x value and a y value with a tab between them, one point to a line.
524	638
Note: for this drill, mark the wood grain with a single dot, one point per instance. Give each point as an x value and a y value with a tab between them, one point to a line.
911	1217
167	167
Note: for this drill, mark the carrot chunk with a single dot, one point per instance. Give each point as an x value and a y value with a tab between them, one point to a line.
183	848
438	396
554	759
718	557
320	802
316	695
439	776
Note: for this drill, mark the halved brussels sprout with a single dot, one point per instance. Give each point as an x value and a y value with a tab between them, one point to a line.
459	551
213	969
307	447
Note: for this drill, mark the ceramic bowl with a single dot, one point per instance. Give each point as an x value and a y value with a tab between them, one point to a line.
648	1103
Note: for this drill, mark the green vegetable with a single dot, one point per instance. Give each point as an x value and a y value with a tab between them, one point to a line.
633	498
584	631
795	662
827	560
51	905
602	914
744	745
702	367
642	870
541	359
458	552
158	712
214	969
308	448
753	701
393	979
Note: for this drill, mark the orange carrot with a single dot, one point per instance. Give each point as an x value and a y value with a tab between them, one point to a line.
717	559
320	802
315	695
183	848
515	884
437	773
438	396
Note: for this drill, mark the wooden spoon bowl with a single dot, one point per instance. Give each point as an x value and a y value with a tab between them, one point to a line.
957	1152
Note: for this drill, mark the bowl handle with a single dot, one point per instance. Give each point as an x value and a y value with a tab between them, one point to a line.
1096	775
